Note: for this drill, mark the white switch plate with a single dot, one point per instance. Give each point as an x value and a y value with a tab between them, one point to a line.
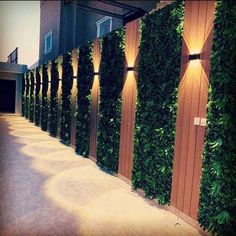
196	121
203	122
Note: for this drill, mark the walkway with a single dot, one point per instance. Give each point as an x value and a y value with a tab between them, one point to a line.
46	189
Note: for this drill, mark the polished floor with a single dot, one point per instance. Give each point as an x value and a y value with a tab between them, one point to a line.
46	189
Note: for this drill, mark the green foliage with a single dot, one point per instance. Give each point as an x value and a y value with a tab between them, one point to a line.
26	103
32	99
83	112
54	99
158	80
67	80
23	96
44	107
111	81
217	212
37	97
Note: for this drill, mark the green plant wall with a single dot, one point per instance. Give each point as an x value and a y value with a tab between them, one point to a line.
37	97
53	118
111	81
44	105
83	108
32	97
67	80
217	212
158	80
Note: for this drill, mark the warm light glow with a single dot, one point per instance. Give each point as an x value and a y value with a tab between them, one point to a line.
195	64
100	203
95	88
75	62
195	36
41	80
60	60
34	72
49	66
74	90
59	92
131	42
96	55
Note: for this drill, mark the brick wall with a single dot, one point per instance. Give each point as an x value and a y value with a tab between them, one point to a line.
72	26
49	21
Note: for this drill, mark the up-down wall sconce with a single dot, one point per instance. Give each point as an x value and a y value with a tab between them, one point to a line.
130	68
96	73
195	56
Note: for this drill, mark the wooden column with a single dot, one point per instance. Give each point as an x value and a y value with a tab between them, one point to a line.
192	106
27	95
95	99
34	74
60	59
129	95
49	92
24	95
40	94
74	92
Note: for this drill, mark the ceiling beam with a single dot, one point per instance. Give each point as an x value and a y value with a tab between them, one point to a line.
99	11
121	5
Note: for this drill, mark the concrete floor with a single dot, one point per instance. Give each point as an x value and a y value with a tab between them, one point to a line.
46	189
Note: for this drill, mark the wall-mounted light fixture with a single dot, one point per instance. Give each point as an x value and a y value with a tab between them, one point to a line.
194	57
74	77
96	73
130	68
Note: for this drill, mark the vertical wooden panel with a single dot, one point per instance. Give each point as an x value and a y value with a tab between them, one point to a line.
192	101
129	94
40	93
181	98
60	59
95	99
196	79
49	91
74	95
202	108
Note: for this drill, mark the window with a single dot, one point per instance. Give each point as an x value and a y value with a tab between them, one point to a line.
48	42
104	26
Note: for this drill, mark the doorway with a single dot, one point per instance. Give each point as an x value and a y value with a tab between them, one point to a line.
7	95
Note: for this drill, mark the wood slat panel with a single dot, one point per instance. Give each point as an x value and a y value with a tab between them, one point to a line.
181	99
200	30
40	93
59	94
95	99
205	72
185	126
49	91
74	92
192	101
129	95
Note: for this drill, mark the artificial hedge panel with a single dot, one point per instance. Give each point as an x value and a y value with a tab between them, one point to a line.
111	81
37	97
83	108
44	106
54	98
67	80
217	210
158	79
31	97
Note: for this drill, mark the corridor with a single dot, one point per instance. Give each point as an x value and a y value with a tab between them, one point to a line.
46	189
